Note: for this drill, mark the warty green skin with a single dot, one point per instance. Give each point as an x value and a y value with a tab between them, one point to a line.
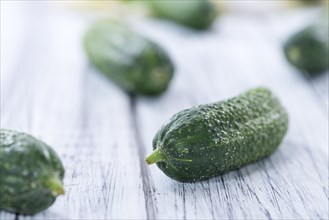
308	49
133	62
208	140
197	14
31	173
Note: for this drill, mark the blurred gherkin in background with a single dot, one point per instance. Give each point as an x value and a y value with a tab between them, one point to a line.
304	2
308	49
197	14
133	62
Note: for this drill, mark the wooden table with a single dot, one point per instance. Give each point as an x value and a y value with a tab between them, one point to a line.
49	89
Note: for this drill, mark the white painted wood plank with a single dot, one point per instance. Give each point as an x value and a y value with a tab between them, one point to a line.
15	21
61	100
320	84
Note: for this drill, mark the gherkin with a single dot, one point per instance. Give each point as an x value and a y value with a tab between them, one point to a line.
196	14
208	140
136	64
31	173
308	49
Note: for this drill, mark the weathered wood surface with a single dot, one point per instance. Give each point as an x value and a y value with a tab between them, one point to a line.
49	89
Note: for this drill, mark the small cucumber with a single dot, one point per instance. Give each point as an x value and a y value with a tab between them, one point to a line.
31	173
134	63
209	140
308	49
197	14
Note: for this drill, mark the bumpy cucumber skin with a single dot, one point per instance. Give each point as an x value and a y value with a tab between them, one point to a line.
308	49
136	64
31	173
209	140
197	14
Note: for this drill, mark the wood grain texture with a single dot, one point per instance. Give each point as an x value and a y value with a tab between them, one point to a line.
49	89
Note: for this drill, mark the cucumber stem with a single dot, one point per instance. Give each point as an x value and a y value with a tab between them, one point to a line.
55	186
155	156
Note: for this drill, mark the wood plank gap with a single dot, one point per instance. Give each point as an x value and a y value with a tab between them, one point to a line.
184	203
147	188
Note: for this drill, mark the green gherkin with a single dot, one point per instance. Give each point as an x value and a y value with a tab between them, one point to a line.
209	140
31	173
131	61
197	14
308	49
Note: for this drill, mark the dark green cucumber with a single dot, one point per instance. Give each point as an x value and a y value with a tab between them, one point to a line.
31	173
134	63
209	140
308	49
197	14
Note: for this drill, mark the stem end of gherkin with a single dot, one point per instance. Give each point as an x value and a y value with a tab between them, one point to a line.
56	187
154	157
